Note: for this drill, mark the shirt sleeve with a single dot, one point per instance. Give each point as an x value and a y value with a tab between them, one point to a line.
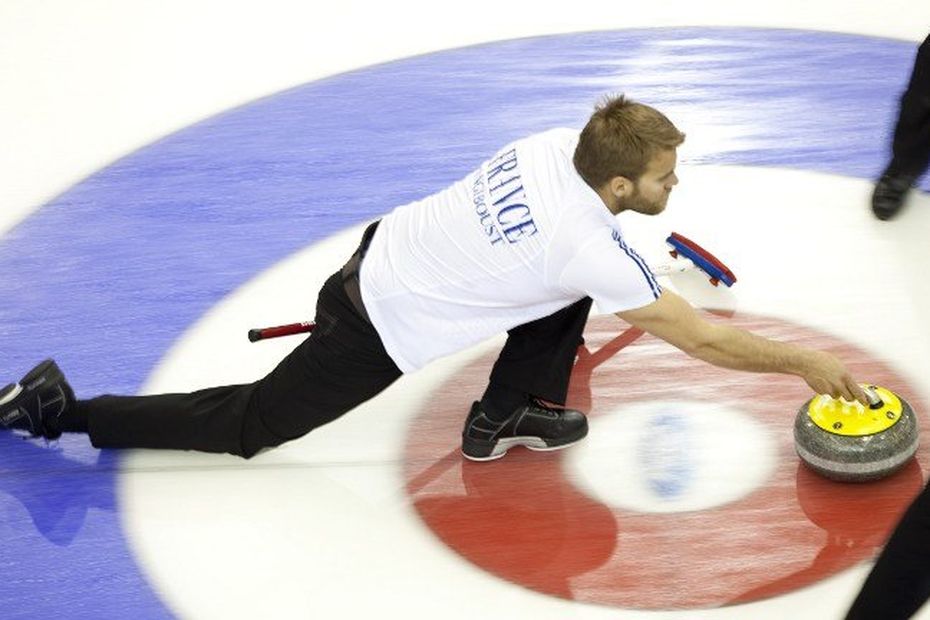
611	273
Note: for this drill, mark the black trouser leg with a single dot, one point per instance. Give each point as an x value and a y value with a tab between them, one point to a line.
209	420
341	365
900	581
911	146
538	356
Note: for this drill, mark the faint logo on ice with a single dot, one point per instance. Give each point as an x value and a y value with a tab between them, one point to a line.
673	456
666	455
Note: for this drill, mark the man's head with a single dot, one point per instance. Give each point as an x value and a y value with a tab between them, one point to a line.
627	154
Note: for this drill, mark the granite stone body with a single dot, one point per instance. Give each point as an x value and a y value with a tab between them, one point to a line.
856	458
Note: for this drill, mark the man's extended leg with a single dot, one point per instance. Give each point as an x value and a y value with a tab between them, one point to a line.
340	365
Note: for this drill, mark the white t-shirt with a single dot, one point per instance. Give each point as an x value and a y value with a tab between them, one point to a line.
518	239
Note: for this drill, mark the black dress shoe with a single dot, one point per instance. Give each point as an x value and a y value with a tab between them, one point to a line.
37	401
889	194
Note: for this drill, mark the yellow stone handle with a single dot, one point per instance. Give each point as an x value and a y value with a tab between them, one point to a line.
875	401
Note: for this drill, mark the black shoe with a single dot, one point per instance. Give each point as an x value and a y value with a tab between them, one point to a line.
889	193
35	403
532	425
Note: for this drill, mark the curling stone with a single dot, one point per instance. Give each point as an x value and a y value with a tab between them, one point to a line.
850	442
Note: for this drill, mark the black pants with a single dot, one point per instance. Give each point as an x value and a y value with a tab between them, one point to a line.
538	356
911	145
339	366
900	580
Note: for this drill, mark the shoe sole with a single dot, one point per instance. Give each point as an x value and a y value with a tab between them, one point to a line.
9	393
501	446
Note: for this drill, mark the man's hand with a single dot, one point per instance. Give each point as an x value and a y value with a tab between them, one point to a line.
826	374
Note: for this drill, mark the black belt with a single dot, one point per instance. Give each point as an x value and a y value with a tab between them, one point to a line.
350	271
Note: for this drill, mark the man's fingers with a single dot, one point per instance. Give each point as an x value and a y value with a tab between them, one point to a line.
839	386
856	391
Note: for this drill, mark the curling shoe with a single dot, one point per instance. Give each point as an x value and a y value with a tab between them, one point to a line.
37	401
532	425
889	194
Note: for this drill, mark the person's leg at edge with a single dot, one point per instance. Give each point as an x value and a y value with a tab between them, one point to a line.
911	142
911	145
899	583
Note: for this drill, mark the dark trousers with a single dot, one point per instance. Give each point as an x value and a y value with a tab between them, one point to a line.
911	145
339	366
538	356
900	580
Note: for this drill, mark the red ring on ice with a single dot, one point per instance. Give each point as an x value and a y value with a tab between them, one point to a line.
523	520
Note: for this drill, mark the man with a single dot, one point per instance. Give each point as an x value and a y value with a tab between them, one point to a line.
523	244
911	145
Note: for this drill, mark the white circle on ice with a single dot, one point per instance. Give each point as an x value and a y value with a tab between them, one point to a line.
219	537
673	456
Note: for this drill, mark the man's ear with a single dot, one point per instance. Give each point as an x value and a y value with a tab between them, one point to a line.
621	187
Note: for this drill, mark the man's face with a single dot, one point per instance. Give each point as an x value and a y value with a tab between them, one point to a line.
650	192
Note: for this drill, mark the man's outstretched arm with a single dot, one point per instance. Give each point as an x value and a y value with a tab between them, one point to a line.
672	319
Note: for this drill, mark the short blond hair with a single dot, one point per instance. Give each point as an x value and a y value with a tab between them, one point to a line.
620	139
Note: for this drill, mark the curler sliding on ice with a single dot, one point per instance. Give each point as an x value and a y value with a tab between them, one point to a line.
526	244
686	256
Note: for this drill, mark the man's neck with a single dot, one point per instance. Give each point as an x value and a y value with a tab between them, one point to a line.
608	199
